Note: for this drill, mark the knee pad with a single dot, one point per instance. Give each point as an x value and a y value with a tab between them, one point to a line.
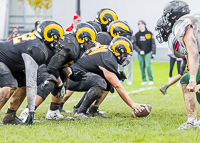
185	78
94	92
44	89
101	83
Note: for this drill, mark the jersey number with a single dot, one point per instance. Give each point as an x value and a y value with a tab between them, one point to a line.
97	49
25	37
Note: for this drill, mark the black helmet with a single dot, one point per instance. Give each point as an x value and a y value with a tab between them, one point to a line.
173	11
120	28
84	32
121	48
105	16
50	32
104	38
96	25
163	31
36	24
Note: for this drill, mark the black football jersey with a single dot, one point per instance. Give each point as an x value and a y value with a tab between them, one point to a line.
70	44
11	51
95	57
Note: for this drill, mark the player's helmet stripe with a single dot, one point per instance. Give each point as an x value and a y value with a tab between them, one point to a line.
121	42
52	26
85	29
122	25
105	12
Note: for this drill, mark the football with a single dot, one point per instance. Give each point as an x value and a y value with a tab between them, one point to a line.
145	109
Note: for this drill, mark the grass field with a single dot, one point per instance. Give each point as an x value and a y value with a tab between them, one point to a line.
168	113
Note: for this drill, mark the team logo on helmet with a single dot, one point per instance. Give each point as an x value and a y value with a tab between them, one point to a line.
119	28
123	43
51	32
121	47
107	13
85	30
49	28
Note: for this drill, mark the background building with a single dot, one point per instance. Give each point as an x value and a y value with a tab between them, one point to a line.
21	14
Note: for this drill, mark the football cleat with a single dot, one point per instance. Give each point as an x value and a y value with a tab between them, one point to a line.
55	115
163	89
81	115
98	113
74	110
24	115
65	111
11	118
187	125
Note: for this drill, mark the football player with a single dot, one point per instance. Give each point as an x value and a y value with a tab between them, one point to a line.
19	60
185	29
175	47
82	37
115	29
100	64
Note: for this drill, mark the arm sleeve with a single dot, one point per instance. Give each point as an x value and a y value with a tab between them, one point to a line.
135	46
153	44
31	80
56	61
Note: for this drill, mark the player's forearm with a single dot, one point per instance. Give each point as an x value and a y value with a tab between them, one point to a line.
193	61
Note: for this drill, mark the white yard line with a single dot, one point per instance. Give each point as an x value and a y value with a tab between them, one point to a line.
115	95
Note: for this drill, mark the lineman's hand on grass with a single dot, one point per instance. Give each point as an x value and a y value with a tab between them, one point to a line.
29	120
191	86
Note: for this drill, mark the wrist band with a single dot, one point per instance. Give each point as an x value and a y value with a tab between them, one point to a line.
69	75
61	84
192	78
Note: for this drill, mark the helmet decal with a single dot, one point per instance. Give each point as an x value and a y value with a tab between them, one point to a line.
107	12
52	26
122	25
85	29
121	42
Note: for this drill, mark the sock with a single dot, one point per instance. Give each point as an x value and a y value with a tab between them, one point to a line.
54	106
35	107
11	111
166	86
61	105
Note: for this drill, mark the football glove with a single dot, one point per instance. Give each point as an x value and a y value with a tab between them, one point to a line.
121	76
77	76
30	118
59	91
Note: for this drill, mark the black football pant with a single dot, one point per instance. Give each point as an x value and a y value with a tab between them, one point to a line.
94	85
